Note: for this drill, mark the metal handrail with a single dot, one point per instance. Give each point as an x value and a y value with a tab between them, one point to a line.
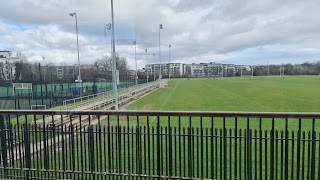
93	97
310	115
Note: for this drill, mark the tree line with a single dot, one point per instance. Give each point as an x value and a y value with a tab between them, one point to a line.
306	68
50	73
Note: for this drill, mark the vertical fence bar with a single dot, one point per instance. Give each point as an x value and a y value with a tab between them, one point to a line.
149	150
158	148
308	161
313	155
201	148
277	154
260	148
225	154
170	147
292	154
272	150
221	154
266	175
197	154
281	155
27	150
179	135
128	131
240	153
298	148
212	151
255	155
230	154
3	137
235	147
303	153
190	162
286	151
318	156
91	148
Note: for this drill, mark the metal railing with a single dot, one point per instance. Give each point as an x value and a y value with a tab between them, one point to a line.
79	102
154	144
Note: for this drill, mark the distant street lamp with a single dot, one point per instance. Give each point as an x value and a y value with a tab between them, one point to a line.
146	50
241	71
154	68
79	78
135	59
169	61
10	65
268	68
222	69
160	27
44	75
252	71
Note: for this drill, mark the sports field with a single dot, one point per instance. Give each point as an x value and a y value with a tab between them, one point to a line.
262	94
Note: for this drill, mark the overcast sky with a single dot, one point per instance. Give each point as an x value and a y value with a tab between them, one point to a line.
235	31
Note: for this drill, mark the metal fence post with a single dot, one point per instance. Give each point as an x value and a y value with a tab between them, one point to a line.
91	147
3	139
158	147
27	150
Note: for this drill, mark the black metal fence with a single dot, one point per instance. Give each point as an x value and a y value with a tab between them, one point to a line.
175	145
53	94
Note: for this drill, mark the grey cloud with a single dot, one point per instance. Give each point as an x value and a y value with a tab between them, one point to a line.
195	28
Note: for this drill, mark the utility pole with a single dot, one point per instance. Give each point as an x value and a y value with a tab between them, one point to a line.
44	71
169	62
154	68
135	59
114	66
160	27
252	72
222	69
241	71
268	68
280	70
146	50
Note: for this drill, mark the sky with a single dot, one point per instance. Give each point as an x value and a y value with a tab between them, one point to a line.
229	31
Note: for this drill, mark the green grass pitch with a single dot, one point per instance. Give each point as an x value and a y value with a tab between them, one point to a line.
261	94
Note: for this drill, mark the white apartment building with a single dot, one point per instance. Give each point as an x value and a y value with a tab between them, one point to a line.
7	66
176	69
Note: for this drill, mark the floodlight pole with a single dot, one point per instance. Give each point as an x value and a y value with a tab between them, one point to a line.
222	69
169	61
146	50
268	68
75	15
160	27
252	72
10	70
114	66
44	72
135	59
280	70
154	68
241	71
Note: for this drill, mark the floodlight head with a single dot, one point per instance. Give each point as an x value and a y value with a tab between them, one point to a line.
134	42
160	26
169	45
72	14
146	50
108	26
